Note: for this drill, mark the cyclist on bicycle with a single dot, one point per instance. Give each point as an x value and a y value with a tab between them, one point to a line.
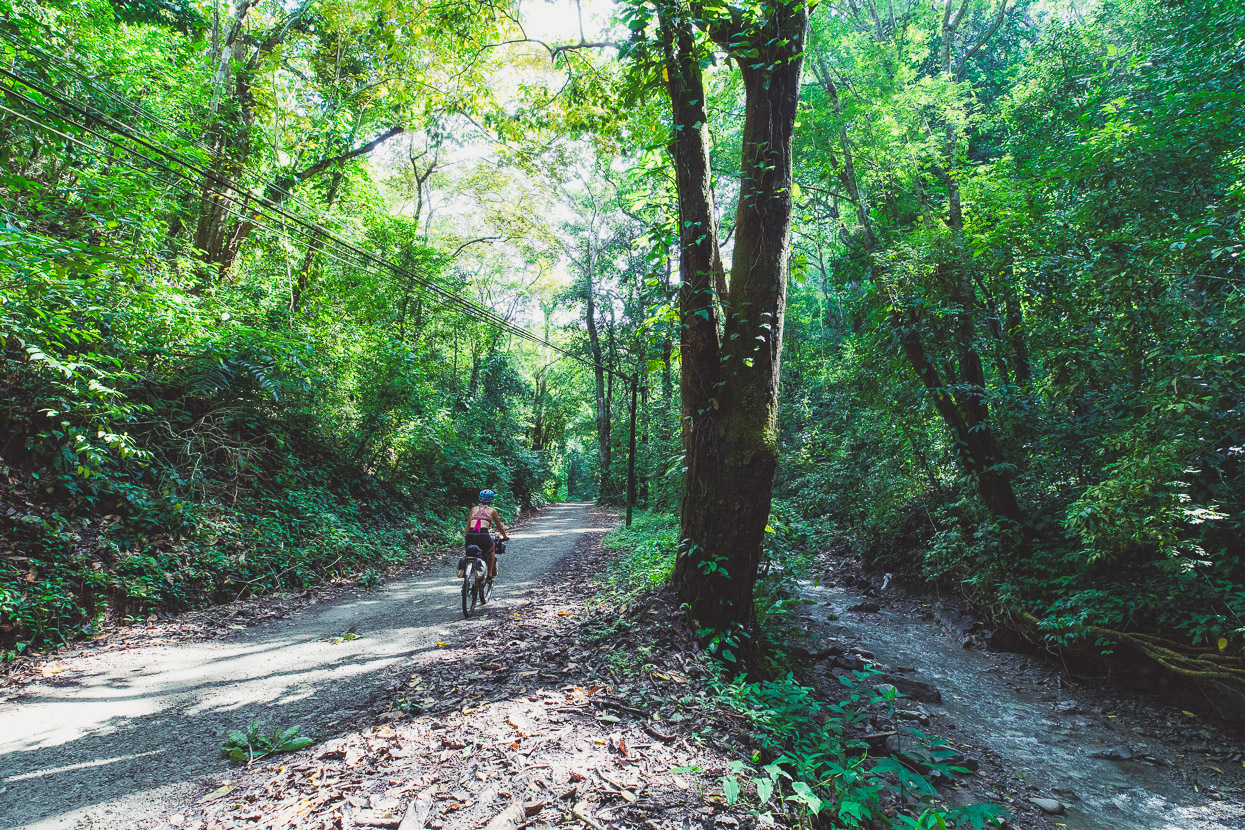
480	521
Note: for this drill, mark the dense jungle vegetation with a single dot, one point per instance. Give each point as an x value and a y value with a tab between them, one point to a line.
248	248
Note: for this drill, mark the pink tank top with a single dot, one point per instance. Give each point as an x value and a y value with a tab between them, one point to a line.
481	521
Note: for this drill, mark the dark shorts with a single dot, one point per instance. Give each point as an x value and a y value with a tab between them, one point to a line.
481	540
485	543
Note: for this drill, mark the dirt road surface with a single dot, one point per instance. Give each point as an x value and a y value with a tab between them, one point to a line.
114	737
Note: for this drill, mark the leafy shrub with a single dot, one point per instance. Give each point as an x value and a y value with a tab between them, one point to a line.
245	747
809	766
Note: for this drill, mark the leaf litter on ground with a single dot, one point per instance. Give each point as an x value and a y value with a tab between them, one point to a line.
520	712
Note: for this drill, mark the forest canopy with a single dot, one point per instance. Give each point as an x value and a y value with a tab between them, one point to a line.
266	271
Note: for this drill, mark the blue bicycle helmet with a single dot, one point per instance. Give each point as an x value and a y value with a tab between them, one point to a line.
486	496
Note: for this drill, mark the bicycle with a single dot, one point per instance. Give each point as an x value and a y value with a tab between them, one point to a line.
477	584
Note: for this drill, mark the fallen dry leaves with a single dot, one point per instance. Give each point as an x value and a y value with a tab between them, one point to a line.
519	720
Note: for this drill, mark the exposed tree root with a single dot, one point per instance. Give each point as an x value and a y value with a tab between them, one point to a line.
1195	663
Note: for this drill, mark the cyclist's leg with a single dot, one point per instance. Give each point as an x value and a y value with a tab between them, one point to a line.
492	558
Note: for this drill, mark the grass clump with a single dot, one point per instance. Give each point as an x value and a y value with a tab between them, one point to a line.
647	549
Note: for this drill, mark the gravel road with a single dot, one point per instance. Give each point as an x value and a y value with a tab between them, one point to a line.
116	736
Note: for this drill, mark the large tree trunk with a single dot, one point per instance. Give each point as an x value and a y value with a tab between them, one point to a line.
730	385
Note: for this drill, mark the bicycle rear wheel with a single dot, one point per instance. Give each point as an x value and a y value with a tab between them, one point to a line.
468	601
477	594
473	587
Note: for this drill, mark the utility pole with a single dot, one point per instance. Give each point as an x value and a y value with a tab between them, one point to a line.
635	384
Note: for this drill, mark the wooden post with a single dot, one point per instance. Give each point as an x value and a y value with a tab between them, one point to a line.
635	384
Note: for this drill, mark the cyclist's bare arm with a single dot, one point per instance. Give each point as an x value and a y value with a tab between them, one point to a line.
500	527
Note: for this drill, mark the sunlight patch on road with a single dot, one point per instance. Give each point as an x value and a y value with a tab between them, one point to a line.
99	762
284	672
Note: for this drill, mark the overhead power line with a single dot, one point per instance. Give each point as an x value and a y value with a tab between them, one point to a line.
81	76
324	247
136	109
253	206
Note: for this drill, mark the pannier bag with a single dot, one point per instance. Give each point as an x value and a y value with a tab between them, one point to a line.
462	567
500	547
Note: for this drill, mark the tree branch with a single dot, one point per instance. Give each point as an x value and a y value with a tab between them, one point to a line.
838	194
989	33
557	51
959	15
470	242
324	164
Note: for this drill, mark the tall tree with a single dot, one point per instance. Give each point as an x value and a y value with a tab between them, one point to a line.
957	387
731	329
590	239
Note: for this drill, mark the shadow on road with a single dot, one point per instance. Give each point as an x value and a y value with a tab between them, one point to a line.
119	734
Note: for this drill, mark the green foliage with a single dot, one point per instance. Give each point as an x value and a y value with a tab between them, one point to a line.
178	14
1097	167
245	747
184	423
809	765
646	553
